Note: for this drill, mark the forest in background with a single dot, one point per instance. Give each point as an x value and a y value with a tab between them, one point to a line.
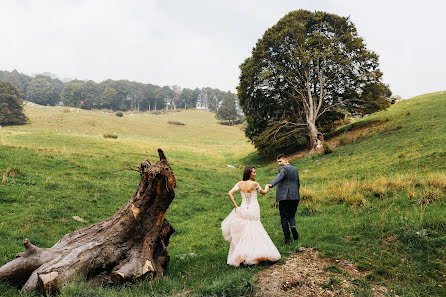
46	89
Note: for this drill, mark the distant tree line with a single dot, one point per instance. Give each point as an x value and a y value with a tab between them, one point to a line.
113	94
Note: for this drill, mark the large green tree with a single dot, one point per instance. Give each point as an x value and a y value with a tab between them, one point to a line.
108	97
44	90
188	98
228	108
11	105
91	95
72	94
306	65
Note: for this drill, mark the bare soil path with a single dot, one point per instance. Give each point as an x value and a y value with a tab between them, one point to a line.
308	273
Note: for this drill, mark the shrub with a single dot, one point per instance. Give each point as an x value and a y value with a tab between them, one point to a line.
114	136
119	114
176	123
326	149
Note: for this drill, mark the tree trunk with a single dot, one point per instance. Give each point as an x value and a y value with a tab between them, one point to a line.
316	138
127	245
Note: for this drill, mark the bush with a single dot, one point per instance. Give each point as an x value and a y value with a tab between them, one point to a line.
176	123
326	149
113	136
11	105
119	114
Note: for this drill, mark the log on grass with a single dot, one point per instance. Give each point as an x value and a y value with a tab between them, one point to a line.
127	245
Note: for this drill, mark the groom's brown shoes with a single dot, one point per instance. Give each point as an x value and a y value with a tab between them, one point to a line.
295	233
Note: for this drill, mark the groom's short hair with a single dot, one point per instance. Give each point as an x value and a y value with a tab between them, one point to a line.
281	156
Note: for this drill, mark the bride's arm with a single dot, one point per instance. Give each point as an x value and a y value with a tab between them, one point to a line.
263	192
231	195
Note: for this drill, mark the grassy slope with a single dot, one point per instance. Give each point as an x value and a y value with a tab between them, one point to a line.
362	200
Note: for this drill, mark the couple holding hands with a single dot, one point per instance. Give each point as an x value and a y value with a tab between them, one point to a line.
249	242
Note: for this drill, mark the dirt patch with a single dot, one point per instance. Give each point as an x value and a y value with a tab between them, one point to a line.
307	273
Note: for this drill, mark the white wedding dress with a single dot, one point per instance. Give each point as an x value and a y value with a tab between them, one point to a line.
250	243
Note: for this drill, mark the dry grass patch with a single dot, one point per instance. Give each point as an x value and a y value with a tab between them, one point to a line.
437	180
430	195
376	189
348	192
311	201
354	193
309	195
399	182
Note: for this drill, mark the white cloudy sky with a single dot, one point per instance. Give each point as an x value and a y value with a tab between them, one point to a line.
197	43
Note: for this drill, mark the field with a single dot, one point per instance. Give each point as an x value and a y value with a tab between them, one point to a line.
378	199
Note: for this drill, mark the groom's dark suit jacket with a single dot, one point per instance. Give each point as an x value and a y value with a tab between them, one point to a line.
287	182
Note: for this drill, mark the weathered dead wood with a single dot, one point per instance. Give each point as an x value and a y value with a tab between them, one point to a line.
127	245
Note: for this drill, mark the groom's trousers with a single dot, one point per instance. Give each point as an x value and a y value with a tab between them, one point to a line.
287	209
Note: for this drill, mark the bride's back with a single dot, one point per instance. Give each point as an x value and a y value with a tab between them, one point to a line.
247	186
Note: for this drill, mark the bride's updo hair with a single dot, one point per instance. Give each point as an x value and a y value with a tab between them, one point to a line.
247	172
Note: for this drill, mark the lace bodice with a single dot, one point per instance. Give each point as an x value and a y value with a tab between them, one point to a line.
249	206
248	198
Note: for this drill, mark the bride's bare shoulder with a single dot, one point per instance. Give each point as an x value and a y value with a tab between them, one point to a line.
243	185
248	186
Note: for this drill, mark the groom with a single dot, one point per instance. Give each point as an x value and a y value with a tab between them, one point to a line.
287	194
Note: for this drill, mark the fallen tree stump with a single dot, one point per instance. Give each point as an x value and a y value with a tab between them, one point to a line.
127	245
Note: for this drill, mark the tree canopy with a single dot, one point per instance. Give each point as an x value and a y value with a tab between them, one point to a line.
11	105
228	108
44	90
308	64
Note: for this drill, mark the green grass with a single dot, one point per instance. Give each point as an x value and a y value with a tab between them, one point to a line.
379	201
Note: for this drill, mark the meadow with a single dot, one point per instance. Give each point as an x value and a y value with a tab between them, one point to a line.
378	199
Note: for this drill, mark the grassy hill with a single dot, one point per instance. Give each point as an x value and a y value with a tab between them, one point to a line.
378	199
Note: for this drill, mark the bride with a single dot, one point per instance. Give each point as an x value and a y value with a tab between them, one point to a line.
249	241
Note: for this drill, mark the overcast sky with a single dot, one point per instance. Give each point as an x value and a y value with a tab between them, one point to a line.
199	43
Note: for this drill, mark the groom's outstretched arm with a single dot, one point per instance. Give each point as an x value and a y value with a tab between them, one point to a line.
279	177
